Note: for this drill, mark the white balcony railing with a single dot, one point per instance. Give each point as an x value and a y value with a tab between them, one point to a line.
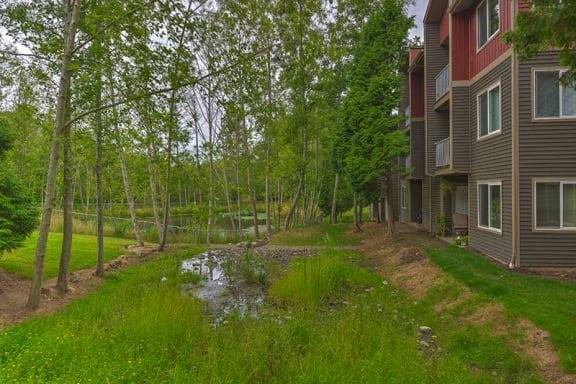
443	153
407	115
408	161
442	82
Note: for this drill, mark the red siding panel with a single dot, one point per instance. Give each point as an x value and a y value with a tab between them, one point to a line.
414	52
444	27
417	94
467	60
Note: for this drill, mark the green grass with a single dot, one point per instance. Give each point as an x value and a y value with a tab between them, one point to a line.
549	304
21	261
325	234
138	329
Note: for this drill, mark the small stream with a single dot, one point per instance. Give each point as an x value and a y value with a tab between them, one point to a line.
223	292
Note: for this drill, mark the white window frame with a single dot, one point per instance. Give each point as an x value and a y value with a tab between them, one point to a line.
404	196
562	182
490	37
489	184
487	92
560	90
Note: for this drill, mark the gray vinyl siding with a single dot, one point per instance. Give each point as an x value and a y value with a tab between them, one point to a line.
546	149
491	160
437	122
417	149
426	202
435	205
460	108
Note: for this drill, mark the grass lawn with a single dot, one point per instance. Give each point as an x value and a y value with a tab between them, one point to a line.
549	304
21	261
327	320
325	234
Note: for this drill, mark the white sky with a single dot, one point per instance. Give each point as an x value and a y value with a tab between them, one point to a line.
418	9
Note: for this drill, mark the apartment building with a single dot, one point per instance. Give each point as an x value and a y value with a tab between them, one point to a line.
493	138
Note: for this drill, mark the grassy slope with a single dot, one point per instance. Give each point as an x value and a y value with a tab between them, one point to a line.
21	261
328	235
549	304
333	322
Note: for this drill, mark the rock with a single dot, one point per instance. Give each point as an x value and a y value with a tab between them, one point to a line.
424	330
164	279
74	278
424	344
48	292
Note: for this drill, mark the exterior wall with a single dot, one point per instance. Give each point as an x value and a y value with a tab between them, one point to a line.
460	128
437	122
546	149
417	149
426	203
492	161
415	200
417	94
404	211
467	59
435	202
444	27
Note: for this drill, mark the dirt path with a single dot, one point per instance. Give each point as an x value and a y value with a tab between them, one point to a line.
402	260
14	290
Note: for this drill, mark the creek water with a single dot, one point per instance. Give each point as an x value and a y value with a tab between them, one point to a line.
220	288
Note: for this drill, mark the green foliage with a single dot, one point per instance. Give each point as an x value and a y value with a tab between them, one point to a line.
548	303
547	25
18	214
141	329
320	235
441	225
370	141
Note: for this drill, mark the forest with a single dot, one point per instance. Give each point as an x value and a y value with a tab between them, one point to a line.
195	121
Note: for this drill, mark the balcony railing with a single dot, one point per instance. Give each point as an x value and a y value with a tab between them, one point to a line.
442	82
408	161
443	153
407	115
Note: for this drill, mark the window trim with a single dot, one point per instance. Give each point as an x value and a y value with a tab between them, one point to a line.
404	196
492	36
489	184
535	116
562	181
480	93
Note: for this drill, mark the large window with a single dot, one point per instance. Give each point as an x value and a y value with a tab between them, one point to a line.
488	106
553	99
555	204
490	205
487	21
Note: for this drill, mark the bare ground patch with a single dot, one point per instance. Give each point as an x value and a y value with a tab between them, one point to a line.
401	258
14	290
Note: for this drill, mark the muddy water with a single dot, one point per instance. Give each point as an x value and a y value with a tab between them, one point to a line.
223	292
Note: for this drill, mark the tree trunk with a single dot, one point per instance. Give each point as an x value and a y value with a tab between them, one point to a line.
60	122
333	218
99	208
389	214
355	207
228	199
67	230
294	204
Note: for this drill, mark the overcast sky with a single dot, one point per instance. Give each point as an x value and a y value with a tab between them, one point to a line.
418	9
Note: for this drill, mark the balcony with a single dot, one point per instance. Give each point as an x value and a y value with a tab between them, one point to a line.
442	82
443	153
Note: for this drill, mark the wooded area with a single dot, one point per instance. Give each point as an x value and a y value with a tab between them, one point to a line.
247	117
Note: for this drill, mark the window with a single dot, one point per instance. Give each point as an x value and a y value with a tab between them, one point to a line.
487	21
488	106
555	204
404	197
552	99
490	205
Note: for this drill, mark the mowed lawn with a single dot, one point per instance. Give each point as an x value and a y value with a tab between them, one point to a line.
548	303
21	261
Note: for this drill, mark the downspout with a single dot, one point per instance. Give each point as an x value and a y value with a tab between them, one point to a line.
515	259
